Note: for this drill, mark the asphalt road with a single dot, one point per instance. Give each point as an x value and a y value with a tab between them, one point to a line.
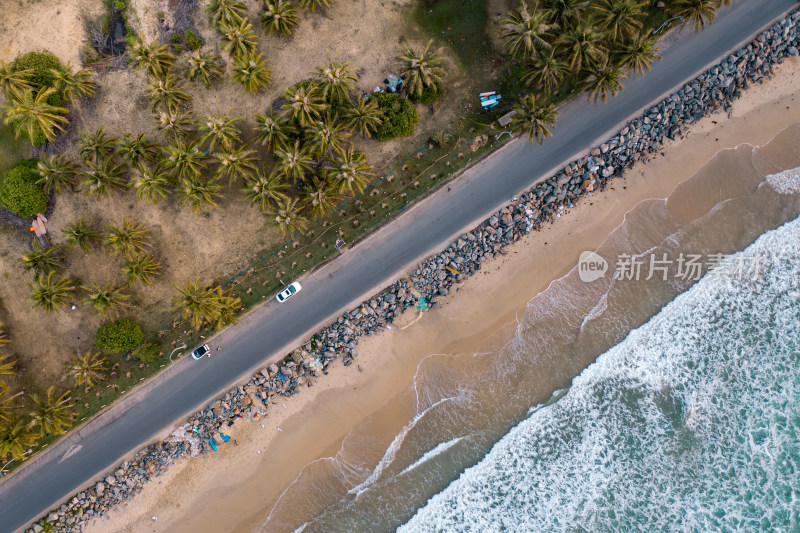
272	330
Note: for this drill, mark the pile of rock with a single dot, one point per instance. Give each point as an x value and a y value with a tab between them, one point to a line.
712	90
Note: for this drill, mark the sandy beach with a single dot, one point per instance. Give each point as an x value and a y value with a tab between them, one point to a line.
235	489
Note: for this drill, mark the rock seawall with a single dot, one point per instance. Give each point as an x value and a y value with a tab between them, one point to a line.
713	90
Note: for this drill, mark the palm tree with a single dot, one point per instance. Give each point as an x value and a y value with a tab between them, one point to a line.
176	125
238	38
226	12
43	261
201	304
620	18
279	16
102	179
56	173
698	12
52	414
96	147
88	369
151	184
636	54
583	46
421	70
166	92
198	193
304	103
14	83
325	135
364	116
294	161
32	114
525	33
250	70
566	12
128	239
155	57
205	67
546	72
52	295
6	405
287	215
272	130
136	150
336	80
319	197
239	163
349	172
186	160
106	301
262	189
220	130
602	80
141	267
312	5
534	118
15	438
81	233
73	85
6	369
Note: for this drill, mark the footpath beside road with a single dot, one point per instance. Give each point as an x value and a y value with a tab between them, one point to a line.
267	333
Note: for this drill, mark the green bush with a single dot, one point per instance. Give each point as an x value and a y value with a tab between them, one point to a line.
118	336
119	5
147	352
41	63
19	192
429	95
174	39
193	40
399	116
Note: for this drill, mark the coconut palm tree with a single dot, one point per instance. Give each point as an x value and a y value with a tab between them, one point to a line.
176	125
96	147
57	173
583	45
349	172
272	130
304	103
364	116
167	93
185	160
546	71
73	86
7	406
226	12
43	261
619	18
88	369
263	189
16	438
154	57
279	16
202	304
312	5
204	67
319	197
636	54
603	80
151	183
238	38
421	70
136	150
698	12
14	82
534	118
198	193
287	214
106	301
52	295
220	130
81	233
52	414
100	180
250	70
238	163
325	135
127	239
336	80
140	267
525	33
6	369
565	13
32	114
294	161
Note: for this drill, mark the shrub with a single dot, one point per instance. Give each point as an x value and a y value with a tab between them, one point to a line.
178	48
174	39
194	42
429	95
399	116
119	5
118	336
147	352
41	63
19	192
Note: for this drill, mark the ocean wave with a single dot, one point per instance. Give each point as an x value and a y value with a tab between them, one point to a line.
786	182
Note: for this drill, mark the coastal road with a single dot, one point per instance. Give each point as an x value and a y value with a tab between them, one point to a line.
272	330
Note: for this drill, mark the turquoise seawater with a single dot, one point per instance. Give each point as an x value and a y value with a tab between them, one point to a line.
692	423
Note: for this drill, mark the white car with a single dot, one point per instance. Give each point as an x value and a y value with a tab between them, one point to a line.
288	292
200	351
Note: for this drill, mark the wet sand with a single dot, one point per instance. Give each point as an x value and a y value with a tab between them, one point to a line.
235	489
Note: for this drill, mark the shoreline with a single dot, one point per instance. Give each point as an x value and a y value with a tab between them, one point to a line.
314	424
